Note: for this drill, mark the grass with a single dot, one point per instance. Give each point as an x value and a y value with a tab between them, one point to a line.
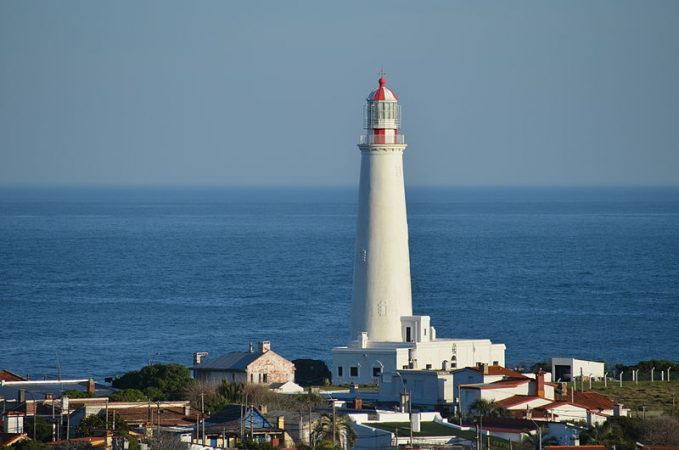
657	396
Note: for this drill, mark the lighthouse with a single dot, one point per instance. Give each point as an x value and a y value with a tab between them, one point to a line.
381	286
385	336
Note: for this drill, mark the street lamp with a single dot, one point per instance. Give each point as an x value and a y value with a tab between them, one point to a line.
410	405
539	433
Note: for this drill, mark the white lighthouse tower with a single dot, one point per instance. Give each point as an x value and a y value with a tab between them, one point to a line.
385	335
381	292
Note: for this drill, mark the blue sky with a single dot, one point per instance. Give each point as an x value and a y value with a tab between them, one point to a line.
270	93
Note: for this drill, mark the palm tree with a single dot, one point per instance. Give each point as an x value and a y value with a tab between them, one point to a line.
532	441
340	431
488	408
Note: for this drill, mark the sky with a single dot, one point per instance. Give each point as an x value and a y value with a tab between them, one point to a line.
217	93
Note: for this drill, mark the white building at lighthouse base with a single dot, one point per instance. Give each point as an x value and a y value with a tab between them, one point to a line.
364	361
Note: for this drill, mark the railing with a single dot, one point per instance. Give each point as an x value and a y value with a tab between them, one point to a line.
367	139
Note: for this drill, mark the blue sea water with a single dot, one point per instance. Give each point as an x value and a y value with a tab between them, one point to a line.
100	281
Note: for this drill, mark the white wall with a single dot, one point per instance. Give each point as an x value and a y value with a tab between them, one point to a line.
371	438
594	369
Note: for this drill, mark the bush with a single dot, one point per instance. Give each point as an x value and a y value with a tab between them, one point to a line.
128	395
158	381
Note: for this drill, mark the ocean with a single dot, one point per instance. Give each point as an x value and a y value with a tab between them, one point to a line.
95	282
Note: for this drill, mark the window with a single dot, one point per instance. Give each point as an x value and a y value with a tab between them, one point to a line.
353	371
339	371
265	378
377	371
408	337
428	366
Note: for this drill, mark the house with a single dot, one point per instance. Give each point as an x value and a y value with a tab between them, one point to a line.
263	366
6	375
567	369
500	384
18	391
386	429
427	388
228	426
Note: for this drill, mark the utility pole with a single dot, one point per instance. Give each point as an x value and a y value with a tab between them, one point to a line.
202	415
459	402
410	411
333	423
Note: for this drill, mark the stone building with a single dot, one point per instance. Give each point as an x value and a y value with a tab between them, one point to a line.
263	366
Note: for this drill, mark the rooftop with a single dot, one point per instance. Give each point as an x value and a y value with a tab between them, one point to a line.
231	361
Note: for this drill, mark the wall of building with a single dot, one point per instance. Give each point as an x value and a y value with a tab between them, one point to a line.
426	387
371	438
217	376
270	368
595	369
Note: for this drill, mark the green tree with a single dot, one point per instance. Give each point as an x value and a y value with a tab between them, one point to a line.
158	381
128	395
326	431
95	425
71	393
488	408
43	428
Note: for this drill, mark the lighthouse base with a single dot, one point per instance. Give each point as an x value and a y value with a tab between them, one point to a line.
364	361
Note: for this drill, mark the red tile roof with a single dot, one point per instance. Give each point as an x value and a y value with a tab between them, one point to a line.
94	442
499	370
592	400
498	384
7	439
143	415
516	400
6	375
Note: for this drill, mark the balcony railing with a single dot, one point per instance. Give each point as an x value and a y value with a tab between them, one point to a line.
381	139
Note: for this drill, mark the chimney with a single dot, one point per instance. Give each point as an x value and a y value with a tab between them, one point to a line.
264	346
483	368
540	383
250	348
364	339
564	392
187	410
22	396
280	423
91	387
617	409
198	358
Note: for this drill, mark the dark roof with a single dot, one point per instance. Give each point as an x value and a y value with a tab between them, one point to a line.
231	361
229	418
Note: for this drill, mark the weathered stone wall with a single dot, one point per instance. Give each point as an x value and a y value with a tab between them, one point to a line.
276	368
